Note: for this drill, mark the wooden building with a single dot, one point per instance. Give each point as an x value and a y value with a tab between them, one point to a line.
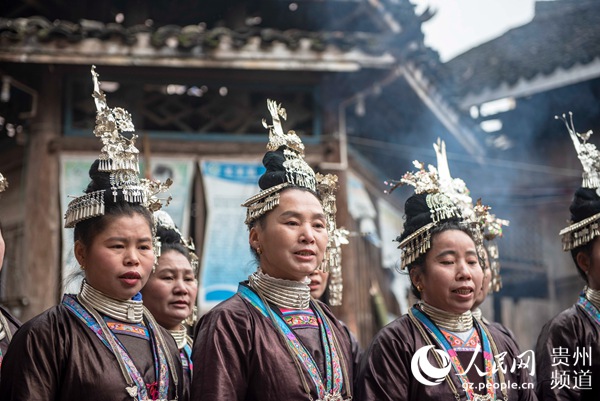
357	81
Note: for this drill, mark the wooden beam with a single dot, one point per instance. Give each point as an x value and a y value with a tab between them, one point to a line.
42	217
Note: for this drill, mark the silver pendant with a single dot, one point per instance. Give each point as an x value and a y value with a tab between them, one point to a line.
132	391
130	313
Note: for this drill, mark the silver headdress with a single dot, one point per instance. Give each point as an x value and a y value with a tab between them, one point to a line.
286	167
586	152
487	225
119	158
163	219
492	229
581	232
326	186
446	198
297	171
3	183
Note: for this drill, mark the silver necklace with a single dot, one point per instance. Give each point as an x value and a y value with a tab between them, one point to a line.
447	320
593	296
180	336
129	311
282	293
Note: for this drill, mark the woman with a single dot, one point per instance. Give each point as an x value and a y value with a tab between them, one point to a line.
101	344
170	293
270	341
440	248
8	323
568	347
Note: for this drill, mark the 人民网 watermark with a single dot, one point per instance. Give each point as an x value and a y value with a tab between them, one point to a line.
428	374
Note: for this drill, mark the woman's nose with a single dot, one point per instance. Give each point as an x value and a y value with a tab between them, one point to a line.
180	287
464	271
307	235
132	257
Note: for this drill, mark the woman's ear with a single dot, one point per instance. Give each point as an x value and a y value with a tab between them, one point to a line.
415	276
254	238
583	260
79	250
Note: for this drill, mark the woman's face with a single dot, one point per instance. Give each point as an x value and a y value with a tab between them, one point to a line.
590	264
120	258
452	275
485	286
171	291
318	283
293	237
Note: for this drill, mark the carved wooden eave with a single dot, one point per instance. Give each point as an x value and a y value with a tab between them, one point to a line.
251	56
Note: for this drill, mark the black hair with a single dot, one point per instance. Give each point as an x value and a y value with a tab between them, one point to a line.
86	230
276	173
170	240
586	203
417	215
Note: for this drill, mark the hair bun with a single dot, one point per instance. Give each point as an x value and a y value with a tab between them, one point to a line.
168	235
586	203
276	173
99	179
417	214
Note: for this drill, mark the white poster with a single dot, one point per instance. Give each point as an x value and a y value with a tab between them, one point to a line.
226	258
362	209
74	178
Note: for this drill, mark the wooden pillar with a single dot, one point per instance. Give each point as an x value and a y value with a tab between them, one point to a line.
345	311
42	211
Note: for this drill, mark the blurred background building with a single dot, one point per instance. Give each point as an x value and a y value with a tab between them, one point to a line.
362	90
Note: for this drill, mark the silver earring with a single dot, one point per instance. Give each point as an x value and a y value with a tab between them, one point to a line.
191	319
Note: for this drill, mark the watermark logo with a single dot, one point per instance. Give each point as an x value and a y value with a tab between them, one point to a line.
419	363
572	370
430	375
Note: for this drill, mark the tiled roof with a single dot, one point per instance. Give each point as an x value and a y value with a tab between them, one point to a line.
562	34
184	38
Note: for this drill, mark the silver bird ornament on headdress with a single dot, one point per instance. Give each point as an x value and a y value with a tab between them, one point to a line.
119	158
586	152
297	171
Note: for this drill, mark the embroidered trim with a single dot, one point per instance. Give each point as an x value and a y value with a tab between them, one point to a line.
470	344
589	308
133	330
299	319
